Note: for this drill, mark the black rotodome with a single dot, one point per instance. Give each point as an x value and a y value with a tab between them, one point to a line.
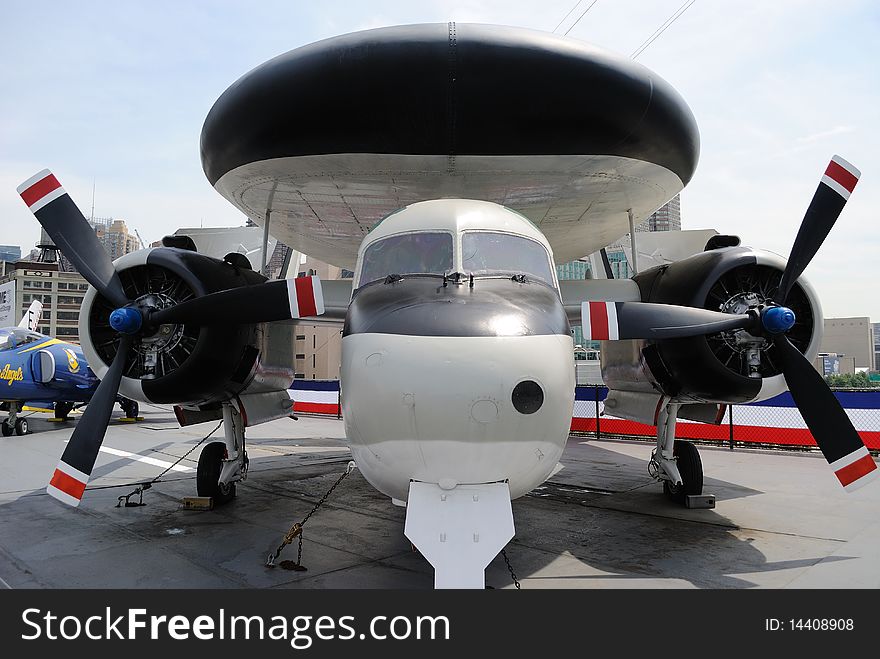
452	89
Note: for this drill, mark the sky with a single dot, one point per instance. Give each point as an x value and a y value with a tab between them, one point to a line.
115	94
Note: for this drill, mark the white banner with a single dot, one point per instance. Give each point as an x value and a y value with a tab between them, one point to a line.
8	312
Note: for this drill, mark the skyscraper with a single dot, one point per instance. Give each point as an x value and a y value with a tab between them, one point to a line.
113	234
665	218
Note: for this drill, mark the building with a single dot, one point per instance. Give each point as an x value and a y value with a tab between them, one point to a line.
116	238
577	269
60	292
318	350
876	327
850	337
278	261
665	218
834	364
10	253
113	234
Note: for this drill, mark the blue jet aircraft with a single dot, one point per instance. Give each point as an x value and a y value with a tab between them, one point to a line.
43	372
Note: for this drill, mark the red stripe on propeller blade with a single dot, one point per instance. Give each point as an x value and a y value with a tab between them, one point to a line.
853	472
305	297
40	189
67	484
840	175
599	321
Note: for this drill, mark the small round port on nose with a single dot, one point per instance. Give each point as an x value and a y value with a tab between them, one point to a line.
527	397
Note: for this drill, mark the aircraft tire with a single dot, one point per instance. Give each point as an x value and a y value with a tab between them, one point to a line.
21	427
7	429
208	473
691	469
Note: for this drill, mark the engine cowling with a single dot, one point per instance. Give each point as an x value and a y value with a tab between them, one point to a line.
728	367
181	363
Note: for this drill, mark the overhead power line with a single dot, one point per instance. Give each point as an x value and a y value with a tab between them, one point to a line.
570	11
580	17
567	15
660	30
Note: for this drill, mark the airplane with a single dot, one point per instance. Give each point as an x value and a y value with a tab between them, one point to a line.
450	166
41	371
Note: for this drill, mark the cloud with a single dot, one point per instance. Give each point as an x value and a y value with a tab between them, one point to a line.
825	134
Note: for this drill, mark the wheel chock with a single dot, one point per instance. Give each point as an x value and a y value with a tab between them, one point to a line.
699	500
198	503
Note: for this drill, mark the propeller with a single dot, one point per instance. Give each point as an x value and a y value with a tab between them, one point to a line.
71	232
604	321
72	473
829	424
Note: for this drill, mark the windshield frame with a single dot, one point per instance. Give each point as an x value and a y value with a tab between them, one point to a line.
553	283
362	258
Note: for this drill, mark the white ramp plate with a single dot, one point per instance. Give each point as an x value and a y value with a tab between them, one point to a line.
460	530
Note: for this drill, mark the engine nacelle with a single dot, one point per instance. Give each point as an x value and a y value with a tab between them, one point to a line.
728	367
186	364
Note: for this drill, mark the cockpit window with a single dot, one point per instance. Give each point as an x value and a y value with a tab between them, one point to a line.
17	337
486	252
408	253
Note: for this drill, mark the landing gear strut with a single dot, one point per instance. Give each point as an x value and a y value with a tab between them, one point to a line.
13	423
676	463
223	464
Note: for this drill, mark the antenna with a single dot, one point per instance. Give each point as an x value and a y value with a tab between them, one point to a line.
93	200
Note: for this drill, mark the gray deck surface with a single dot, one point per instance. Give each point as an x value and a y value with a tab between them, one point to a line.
781	520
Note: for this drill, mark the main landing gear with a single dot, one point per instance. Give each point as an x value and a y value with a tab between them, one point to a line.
676	463
13	423
223	464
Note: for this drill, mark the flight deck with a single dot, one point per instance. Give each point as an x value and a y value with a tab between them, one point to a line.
781	519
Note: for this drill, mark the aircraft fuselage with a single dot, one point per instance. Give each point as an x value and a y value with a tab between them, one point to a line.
461	373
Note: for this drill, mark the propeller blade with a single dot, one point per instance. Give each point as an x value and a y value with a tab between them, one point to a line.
69	230
837	183
279	299
646	320
72	473
826	419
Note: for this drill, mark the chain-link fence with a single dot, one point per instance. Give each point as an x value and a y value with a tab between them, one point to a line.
775	422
